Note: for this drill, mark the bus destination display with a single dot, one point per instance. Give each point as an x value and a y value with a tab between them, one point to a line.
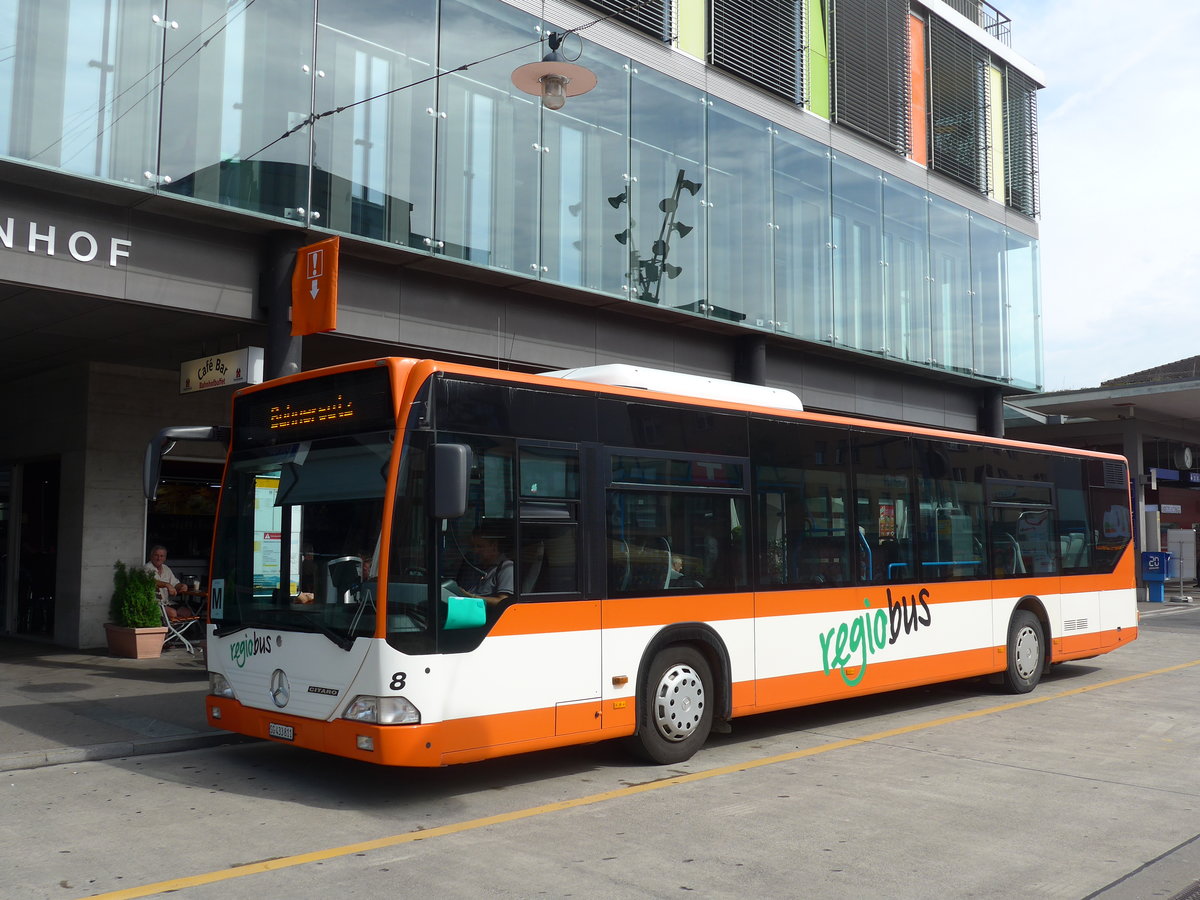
281	418
356	401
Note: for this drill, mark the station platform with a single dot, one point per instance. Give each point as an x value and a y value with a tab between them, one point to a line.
66	706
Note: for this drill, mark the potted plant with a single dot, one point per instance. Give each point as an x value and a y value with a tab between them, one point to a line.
136	630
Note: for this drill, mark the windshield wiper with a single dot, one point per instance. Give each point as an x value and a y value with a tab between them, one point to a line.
306	624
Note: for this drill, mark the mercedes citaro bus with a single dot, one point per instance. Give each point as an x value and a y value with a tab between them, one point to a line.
677	552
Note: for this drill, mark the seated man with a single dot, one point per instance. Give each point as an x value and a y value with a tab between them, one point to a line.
170	589
494	569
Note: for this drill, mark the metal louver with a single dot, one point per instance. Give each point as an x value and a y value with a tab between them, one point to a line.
1114	475
870	69
958	105
654	17
1021	172
760	42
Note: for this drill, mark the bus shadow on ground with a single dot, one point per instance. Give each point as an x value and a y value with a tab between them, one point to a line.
432	796
858	712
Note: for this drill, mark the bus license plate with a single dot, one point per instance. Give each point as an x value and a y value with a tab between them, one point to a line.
284	732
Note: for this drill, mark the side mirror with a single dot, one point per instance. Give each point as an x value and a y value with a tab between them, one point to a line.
451	478
162	443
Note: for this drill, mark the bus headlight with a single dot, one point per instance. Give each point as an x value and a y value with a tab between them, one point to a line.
382	711
219	685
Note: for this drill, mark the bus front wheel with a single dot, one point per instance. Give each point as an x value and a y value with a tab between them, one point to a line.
676	714
1026	652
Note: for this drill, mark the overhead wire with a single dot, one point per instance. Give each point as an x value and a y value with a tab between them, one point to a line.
224	20
313	118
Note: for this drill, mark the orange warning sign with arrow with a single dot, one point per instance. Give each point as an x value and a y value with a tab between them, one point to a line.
314	288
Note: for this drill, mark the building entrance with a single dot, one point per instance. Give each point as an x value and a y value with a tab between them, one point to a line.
181	518
31	523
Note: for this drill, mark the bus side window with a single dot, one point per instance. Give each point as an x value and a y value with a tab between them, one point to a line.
548	562
952	528
549	528
1071	494
801	493
1108	513
883	491
676	541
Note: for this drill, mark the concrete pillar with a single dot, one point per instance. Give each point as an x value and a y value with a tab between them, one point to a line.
750	359
282	355
991	412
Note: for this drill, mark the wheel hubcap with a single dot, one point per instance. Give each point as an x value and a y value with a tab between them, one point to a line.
1028	653
678	703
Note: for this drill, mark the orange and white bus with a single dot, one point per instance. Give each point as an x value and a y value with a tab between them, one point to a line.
417	563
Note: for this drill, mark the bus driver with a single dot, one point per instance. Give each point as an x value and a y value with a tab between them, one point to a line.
495	583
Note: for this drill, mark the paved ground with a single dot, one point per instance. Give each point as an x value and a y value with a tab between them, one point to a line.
1084	789
64	706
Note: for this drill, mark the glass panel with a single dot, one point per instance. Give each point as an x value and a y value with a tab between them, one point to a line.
549	473
803	254
801	493
372	161
1024	311
740	229
409	625
906	270
951	535
490	512
548	558
1074	540
489	148
676	541
990	312
1108	498
857	284
80	87
666	155
1020	493
950	302
670	428
1024	542
884	508
223	107
9	51
584	180
298	536
677	472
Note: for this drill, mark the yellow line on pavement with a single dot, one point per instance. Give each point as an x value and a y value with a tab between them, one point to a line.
285	862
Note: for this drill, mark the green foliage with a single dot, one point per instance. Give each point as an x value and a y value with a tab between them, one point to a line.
135	598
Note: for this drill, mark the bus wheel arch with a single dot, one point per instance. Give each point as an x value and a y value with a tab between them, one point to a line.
684	671
1027	646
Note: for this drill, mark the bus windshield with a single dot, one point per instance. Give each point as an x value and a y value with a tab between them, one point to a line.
298	537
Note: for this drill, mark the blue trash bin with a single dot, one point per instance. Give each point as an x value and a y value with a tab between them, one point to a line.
1155	568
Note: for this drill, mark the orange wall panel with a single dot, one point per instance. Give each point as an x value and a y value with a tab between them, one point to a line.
917	118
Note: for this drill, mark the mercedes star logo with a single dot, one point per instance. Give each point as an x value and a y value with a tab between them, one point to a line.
280	689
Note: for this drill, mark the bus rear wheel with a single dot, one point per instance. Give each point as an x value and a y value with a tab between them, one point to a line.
676	713
1026	652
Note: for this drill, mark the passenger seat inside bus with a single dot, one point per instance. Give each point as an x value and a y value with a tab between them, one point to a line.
533	555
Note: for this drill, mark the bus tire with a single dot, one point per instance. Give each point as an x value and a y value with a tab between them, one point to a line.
676	714
1026	652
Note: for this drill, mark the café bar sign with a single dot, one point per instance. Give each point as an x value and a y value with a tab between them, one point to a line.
243	366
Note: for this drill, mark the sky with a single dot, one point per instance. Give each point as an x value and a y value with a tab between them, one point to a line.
1120	182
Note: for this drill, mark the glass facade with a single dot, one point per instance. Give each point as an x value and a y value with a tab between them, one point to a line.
375	119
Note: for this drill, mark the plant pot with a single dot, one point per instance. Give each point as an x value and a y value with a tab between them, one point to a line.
135	643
